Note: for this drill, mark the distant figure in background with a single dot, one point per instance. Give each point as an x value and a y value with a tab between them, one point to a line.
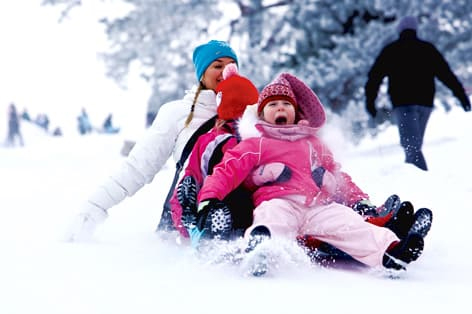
108	125
57	132
42	120
411	65
25	115
84	123
13	126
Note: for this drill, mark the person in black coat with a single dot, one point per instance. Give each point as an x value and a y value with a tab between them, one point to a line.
411	65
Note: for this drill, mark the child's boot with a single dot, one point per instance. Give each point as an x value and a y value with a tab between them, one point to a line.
423	221
402	221
257	236
404	252
258	261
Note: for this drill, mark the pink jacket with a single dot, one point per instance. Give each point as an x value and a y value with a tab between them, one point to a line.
200	161
300	150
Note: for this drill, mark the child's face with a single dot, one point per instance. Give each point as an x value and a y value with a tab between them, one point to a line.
279	112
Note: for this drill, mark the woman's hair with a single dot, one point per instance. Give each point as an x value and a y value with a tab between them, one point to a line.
227	126
192	109
220	123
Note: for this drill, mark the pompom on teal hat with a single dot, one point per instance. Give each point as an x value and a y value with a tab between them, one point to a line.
205	54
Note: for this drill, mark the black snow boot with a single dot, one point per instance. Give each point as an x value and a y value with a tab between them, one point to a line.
257	236
187	197
423	221
402	221
215	221
391	206
404	252
259	261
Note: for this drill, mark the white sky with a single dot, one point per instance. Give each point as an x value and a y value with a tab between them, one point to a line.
53	68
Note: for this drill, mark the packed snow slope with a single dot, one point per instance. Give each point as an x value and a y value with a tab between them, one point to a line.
128	268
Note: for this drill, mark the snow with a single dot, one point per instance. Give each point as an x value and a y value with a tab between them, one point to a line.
56	69
128	268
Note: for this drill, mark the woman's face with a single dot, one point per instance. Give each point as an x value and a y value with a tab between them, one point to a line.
213	74
279	112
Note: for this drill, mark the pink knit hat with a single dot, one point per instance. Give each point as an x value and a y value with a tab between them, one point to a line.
278	89
289	87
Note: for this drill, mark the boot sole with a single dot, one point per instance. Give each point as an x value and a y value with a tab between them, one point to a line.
391	206
220	223
423	222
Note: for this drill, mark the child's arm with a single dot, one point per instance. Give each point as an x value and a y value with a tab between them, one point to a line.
344	190
236	165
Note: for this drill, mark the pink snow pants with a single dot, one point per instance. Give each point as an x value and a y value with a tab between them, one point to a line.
334	223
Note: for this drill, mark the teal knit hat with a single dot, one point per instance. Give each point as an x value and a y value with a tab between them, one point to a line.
205	54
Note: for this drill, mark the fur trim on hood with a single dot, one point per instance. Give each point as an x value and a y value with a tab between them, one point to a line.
246	125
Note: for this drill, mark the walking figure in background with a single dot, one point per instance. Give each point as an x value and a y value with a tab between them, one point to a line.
84	123
13	126
411	65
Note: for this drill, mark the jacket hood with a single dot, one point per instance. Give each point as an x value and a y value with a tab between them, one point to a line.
246	125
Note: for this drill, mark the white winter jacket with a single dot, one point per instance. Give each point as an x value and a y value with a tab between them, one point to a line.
167	135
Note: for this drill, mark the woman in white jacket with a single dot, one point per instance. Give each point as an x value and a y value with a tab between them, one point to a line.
173	126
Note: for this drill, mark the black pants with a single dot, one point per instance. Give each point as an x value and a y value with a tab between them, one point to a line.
412	121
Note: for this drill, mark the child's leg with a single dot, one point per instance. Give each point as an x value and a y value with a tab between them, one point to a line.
341	227
279	216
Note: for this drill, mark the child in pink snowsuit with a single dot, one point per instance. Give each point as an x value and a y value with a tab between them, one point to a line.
293	203
234	94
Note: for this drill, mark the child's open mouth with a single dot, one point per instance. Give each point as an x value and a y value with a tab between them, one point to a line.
281	120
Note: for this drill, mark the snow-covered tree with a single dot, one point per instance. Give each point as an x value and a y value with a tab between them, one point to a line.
329	44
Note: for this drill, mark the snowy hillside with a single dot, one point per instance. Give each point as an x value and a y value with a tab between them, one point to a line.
130	269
